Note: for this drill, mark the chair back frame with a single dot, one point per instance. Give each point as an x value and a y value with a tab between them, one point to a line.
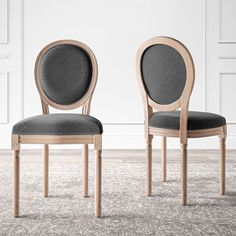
183	101
86	99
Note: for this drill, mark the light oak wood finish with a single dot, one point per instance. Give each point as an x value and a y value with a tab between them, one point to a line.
98	183
201	133
85	102
184	174
183	103
56	139
149	165
46	160
16	181
85	173
163	159
222	166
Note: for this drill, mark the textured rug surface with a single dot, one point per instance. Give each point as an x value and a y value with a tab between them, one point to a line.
125	208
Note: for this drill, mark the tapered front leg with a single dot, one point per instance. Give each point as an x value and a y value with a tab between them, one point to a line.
16	180
98	183
98	174
149	164
222	165
85	173
46	160
163	157
184	174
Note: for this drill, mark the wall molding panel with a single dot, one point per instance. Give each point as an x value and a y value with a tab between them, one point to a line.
10	67
222	16
4	56
223	77
225	57
4	21
4	97
22	58
204	30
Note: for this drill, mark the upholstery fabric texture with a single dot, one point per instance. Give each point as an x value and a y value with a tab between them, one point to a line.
58	124
196	120
164	73
65	73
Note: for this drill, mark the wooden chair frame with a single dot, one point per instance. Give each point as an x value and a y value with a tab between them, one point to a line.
85	101
183	133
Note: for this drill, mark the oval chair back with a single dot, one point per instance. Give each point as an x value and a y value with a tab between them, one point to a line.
66	74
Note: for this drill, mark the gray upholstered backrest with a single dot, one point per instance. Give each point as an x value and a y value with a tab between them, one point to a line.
163	73
65	73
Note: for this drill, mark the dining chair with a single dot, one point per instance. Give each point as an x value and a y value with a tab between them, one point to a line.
65	75
165	72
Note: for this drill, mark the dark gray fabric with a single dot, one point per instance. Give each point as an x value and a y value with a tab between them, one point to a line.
58	124
65	73
196	120
164	73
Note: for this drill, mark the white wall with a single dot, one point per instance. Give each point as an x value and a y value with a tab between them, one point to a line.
114	30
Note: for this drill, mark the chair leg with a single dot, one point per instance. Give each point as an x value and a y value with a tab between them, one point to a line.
163	157
46	160
184	174
98	182
16	197
222	166
149	165
85	156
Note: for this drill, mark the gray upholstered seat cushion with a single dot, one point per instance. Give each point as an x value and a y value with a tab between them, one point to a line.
196	120
58	124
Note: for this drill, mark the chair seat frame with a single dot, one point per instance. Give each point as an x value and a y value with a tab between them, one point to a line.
200	133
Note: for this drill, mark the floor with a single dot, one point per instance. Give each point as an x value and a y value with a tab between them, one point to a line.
126	209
